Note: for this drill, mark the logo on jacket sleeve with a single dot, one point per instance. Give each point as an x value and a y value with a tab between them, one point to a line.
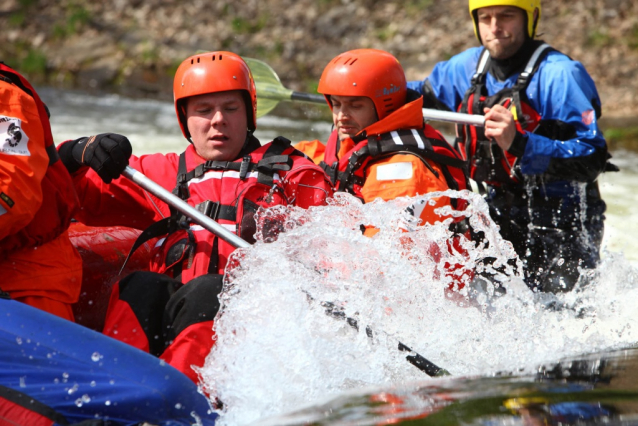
13	140
588	117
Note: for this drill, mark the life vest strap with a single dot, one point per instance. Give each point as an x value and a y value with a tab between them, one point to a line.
476	98
161	227
409	141
52	153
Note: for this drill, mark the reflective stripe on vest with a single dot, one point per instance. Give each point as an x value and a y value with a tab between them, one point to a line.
410	141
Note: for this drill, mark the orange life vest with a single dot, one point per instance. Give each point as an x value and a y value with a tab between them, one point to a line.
37	200
58	199
401	133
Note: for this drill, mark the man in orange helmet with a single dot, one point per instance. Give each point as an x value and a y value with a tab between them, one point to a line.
40	266
225	173
380	147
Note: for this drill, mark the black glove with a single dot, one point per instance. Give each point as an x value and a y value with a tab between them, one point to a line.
107	154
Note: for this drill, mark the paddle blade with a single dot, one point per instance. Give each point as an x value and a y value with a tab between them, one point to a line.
265	105
270	91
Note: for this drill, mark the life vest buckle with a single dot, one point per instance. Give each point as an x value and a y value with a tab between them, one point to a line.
209	208
244	168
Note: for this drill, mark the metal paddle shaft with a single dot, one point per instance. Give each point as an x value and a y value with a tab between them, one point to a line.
414	358
307	97
270	91
454	117
423	364
209	224
176	202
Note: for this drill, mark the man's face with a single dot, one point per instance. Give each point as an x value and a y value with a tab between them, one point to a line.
351	114
218	124
502	30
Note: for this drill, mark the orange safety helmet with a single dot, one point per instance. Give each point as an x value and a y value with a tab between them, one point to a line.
209	73
372	73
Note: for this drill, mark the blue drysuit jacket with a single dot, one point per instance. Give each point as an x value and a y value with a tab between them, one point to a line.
564	95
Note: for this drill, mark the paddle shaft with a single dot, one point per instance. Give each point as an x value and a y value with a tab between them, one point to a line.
209	224
185	208
413	358
307	97
428	113
272	91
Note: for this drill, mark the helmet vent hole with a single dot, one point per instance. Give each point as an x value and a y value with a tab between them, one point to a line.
220	57
198	60
351	61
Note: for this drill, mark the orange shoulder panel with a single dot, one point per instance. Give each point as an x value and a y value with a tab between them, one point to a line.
313	149
23	159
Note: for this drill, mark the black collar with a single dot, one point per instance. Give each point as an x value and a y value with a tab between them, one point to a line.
505	68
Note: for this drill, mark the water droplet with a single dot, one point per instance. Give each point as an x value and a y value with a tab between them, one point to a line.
72	390
86	398
19	340
96	357
23	381
178	406
78	402
107	402
93	384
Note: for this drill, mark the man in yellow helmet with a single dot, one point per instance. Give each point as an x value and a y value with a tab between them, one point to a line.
541	150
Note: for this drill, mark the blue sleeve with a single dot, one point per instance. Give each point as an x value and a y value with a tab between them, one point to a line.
568	143
448	81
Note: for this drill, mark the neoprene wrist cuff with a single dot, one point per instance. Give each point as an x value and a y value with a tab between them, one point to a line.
66	155
518	145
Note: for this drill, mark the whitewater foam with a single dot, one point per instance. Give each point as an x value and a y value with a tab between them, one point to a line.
278	349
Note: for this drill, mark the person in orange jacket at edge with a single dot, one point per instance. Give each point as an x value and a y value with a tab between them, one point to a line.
40	266
380	146
225	172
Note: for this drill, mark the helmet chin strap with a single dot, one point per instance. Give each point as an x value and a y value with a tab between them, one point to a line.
248	135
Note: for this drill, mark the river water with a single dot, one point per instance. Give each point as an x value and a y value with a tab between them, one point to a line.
277	350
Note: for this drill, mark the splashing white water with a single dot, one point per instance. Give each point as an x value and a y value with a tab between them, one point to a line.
277	348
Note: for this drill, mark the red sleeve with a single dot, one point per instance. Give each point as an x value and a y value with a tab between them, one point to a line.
122	202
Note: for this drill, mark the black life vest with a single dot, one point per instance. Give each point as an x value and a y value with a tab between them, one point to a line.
488	162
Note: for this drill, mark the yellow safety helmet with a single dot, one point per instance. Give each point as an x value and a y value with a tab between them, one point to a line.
529	6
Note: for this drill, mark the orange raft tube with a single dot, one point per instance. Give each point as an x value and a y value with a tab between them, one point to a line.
103	251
